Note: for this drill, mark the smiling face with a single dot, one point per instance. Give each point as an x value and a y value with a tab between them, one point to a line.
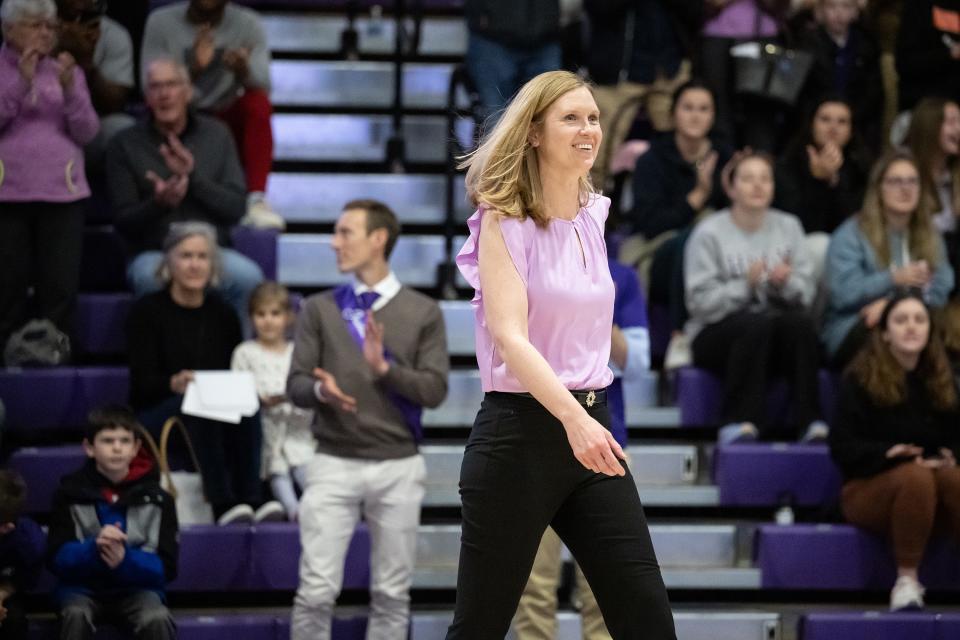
950	130
832	123
908	328
569	136
113	449
693	113
752	188
32	32
900	193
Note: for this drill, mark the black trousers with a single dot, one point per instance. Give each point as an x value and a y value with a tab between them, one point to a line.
40	245
518	476
229	454
14	626
140	612
747	348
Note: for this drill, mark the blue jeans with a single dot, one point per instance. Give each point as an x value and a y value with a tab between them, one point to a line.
498	71
240	276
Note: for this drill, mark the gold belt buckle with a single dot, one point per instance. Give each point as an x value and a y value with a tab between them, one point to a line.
591	398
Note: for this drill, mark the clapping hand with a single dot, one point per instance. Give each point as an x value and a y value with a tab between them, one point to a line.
779	275
238	61
825	163
170	192
112	545
373	346
331	391
28	63
178	158
66	64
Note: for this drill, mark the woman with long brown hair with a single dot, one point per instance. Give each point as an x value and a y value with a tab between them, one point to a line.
891	243
896	438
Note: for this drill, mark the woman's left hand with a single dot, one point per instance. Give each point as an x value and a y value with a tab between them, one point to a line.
67	64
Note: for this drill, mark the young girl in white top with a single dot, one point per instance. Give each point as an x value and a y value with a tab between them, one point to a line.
288	442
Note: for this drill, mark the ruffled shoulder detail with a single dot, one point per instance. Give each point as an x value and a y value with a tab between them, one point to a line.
517	234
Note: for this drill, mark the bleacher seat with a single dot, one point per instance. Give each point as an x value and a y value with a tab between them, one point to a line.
59	397
42	468
275	554
103	263
871	625
762	474
700	397
260	245
195	627
101	323
827	556
658	322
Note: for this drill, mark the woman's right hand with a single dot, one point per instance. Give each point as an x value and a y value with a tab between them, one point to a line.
28	63
179	381
594	447
904	451
915	274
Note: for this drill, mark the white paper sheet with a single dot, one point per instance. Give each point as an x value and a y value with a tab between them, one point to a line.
221	395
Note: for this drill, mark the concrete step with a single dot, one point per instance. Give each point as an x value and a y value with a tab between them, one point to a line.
352	84
302	32
319	197
692	557
361	138
691	625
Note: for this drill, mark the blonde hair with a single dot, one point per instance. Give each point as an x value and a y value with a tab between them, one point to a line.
924	140
922	236
502	172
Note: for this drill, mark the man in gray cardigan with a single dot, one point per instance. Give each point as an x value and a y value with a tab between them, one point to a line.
177	166
368	356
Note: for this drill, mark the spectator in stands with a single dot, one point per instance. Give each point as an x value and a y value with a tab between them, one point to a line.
114	539
742	121
895	439
21	555
509	42
104	52
132	16
45	119
629	357
225	48
934	138
182	328
822	175
639	53
846	64
891	243
541	452
178	166
928	51
368	356
749	285
288	442
675	183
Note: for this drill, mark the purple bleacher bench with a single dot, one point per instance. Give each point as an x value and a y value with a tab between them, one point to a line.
700	397
102	323
870	625
213	558
97	386
260	245
770	474
828	556
658	319
103	266
194	627
42	468
37	398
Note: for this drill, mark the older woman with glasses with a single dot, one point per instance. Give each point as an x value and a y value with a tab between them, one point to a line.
891	243
45	119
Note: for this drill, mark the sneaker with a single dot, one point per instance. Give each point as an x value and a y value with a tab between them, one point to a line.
817	433
678	353
261	216
737	432
271	511
907	594
239	514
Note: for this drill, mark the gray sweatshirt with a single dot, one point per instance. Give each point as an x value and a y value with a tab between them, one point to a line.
415	337
168	34
718	256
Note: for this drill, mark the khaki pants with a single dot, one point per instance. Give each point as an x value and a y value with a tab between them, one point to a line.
618	106
536	617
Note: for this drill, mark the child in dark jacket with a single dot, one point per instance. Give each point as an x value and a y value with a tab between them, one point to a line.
113	540
21	556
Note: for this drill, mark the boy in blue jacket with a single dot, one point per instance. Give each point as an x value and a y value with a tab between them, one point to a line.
113	539
21	556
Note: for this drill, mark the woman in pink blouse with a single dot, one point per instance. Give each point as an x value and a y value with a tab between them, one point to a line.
541	452
45	119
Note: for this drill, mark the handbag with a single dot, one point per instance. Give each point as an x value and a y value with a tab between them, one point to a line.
186	487
37	344
769	71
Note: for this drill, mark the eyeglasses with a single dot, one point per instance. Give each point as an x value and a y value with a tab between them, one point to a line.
158	86
902	182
